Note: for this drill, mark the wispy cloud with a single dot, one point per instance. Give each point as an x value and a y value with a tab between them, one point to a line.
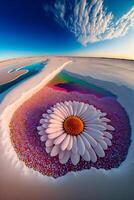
90	21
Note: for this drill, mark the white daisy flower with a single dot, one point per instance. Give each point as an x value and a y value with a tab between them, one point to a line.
75	129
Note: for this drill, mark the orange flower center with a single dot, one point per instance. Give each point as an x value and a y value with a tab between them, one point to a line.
73	125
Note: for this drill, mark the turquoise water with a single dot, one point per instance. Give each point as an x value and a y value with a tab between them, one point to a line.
33	69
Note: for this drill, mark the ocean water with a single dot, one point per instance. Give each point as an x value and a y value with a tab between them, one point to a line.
31	70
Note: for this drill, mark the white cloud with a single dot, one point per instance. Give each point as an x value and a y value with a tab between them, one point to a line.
89	21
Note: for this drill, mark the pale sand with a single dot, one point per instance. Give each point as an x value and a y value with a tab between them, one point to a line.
7	66
87	184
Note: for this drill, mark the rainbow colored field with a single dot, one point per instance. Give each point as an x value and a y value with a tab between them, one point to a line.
65	87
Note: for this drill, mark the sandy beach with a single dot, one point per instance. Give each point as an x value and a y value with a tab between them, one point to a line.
6	68
113	75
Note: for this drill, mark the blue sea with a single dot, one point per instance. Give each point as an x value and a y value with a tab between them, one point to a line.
32	70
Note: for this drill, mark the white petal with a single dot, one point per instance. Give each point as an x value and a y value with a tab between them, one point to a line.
62	108
54	121
49	111
48	149
61	154
43	138
86	142
45	125
108	141
65	143
75	158
55	126
95	121
86	156
59	113
46	120
92	107
66	109
75	107
56	117
80	108
94	134
53	130
94	131
44	115
41	132
59	139
69	105
91	114
40	128
91	139
103	114
107	134
104	119
99	150
81	145
84	115
57	105
97	126
103	144
69	147
99	111
93	156
49	143
71	110
55	150
42	121
54	135
65	157
88	117
74	147
85	111
110	128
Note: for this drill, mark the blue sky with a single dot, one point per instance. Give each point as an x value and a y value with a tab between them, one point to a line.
37	28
